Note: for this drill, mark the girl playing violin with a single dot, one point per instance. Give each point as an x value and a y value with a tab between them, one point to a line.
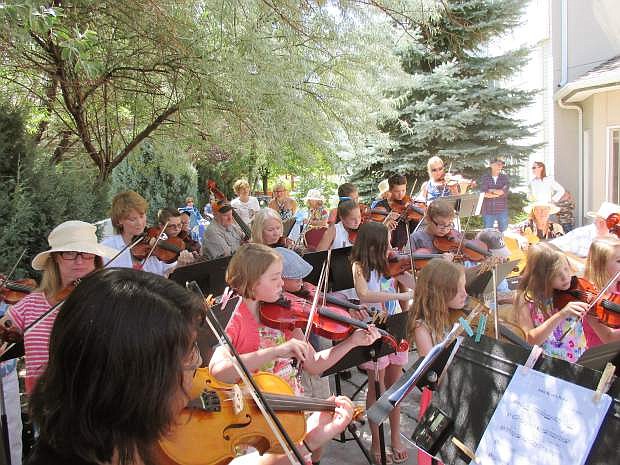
74	253
340	234
255	273
112	391
602	264
129	220
267	229
440	288
369	257
547	270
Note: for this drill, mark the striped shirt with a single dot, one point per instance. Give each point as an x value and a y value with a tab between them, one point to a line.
36	342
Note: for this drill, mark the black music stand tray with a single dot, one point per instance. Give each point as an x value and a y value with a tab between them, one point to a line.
465	204
597	357
210	276
340	273
477	379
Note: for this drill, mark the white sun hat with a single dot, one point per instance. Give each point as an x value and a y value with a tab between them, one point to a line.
314	194
73	236
606	209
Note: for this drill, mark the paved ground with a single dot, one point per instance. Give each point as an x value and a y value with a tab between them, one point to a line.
349	452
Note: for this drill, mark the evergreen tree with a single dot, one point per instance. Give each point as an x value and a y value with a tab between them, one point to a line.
454	105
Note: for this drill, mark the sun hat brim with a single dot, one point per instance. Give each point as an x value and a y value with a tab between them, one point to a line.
38	262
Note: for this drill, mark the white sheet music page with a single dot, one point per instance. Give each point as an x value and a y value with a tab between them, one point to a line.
542	420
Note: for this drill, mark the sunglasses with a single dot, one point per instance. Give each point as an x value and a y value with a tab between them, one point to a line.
535	167
434	170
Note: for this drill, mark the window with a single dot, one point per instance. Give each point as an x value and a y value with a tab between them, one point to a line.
614	156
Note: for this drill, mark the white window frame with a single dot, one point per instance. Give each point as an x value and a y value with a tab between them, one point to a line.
609	176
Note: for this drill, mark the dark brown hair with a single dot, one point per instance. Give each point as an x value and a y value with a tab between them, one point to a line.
370	248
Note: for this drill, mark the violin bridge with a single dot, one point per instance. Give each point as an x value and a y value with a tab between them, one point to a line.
237	399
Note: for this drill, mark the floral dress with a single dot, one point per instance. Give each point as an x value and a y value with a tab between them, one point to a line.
573	345
281	367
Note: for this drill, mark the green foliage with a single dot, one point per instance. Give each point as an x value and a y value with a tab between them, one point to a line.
159	173
453	104
15	147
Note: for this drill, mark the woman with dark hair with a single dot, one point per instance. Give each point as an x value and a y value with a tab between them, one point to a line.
123	355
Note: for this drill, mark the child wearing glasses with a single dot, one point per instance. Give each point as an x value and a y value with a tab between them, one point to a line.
439	223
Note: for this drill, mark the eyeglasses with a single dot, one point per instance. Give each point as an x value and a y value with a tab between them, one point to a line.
69	255
174	226
442	226
195	359
434	170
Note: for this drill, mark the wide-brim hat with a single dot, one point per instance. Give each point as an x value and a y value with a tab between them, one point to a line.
383	186
553	208
606	209
293	266
73	236
314	194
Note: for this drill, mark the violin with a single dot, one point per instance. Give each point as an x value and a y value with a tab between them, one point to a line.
608	311
229	413
399	263
212	186
408	209
12	291
331	322
456	184
613	223
580	289
472	250
190	244
166	250
308	290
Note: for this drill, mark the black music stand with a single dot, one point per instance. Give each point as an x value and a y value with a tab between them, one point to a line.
340	273
597	357
477	379
210	276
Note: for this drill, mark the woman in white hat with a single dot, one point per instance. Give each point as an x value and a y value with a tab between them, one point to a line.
74	253
317	214
537	226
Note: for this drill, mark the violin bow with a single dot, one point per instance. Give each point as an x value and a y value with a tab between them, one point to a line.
10	273
270	417
591	305
128	246
445	183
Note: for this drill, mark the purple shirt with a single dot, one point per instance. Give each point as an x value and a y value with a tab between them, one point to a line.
493	206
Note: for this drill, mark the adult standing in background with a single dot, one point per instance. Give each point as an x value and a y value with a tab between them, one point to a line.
542	188
194	213
495	186
244	204
282	203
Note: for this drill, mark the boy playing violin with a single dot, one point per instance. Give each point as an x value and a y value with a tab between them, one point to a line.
439	223
398	197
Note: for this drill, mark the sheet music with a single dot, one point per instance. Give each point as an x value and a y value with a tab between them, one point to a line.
542	420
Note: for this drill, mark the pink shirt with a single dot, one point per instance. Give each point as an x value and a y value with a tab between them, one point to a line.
249	335
36	342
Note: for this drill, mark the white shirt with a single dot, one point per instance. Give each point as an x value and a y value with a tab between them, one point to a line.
341	238
124	260
542	190
246	210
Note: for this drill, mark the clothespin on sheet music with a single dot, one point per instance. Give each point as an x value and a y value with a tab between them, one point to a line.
463	322
533	358
605	382
465	449
482	324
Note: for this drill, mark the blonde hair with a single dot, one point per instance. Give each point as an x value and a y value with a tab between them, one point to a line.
243	278
123	203
543	264
258	223
432	161
601	251
240	184
436	285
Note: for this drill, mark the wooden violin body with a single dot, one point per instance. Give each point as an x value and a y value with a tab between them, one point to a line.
331	321
12	292
401	262
453	242
223	419
167	250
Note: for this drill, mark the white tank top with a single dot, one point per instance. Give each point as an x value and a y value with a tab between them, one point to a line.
341	239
